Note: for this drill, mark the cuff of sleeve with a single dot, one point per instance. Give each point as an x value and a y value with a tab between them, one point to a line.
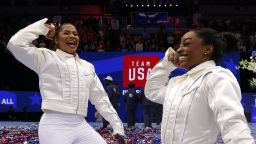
39	26
43	27
118	129
169	65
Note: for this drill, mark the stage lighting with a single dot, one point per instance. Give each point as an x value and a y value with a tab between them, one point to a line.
159	5
137	5
126	5
164	5
176	5
131	5
142	5
154	5
148	5
170	5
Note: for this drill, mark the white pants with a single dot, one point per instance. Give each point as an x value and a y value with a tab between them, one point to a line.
61	128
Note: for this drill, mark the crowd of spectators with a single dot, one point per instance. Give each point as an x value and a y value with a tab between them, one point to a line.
100	35
108	35
243	28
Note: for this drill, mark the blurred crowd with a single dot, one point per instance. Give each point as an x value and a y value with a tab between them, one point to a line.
105	34
243	28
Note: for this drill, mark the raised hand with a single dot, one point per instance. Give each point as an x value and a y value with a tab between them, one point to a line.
51	33
173	57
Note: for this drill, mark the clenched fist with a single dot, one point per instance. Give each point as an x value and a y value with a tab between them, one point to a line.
173	57
51	33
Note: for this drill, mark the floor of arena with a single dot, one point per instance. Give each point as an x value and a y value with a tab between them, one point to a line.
26	133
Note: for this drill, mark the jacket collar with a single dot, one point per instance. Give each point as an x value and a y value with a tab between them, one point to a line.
201	67
65	55
195	73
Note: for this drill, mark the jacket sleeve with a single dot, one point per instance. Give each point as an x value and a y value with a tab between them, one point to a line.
99	98
158	78
224	100
21	46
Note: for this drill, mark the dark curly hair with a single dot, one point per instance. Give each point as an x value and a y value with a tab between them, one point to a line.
221	42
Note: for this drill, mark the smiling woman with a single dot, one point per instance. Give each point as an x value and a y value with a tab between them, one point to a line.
198	46
205	101
66	83
67	38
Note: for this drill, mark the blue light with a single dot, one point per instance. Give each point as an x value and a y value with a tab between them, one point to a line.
253	117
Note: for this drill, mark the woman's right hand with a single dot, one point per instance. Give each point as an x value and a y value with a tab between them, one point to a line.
51	33
173	57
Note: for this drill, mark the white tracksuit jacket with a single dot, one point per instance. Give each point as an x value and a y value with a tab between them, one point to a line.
198	105
66	82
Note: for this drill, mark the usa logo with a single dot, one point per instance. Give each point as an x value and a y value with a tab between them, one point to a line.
136	69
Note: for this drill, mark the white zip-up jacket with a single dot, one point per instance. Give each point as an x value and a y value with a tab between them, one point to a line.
198	105
66	81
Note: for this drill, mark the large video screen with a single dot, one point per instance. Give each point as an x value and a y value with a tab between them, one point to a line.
150	19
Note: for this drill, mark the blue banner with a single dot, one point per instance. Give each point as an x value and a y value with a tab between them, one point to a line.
112	64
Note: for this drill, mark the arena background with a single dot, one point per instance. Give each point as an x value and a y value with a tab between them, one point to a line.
112	64
109	31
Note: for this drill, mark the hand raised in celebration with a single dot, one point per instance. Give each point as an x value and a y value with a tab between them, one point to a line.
173	57
51	33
